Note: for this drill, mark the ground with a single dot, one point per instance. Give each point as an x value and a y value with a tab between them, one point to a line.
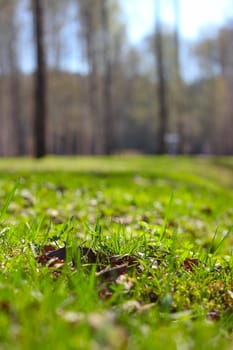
116	253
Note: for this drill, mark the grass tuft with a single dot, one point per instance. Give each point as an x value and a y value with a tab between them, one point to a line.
116	253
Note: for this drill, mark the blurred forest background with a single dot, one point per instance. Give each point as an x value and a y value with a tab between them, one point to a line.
121	96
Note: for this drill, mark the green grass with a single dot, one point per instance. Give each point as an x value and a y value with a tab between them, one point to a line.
165	221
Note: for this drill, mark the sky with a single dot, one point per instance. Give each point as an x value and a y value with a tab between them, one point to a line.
195	15
140	17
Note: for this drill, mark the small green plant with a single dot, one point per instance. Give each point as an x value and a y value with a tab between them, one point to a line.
9	198
116	253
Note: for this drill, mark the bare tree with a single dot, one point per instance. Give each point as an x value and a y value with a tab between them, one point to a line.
89	10
178	80
109	136
40	82
10	71
15	89
161	87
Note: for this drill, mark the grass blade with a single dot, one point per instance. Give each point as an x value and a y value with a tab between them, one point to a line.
167	216
8	200
223	239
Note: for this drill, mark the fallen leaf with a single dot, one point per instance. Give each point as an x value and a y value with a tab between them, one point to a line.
116	260
57	253
28	197
48	248
52	257
83	252
102	319
71	316
190	264
213	315
112	272
123	220
126	281
89	254
4	306
105	293
207	210
131	306
56	263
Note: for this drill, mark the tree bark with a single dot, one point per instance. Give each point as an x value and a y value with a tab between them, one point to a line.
88	9
109	137
40	82
161	87
178	81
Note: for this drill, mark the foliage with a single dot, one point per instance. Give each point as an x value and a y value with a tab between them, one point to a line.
102	87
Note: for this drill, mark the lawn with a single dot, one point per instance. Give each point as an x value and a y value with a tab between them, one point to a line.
116	253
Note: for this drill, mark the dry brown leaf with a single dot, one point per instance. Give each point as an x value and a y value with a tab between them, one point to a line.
190	264
213	315
129	260
5	306
111	273
105	293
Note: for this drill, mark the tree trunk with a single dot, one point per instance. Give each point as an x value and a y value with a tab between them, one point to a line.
15	88
161	89
178	81
109	137
40	82
87	10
